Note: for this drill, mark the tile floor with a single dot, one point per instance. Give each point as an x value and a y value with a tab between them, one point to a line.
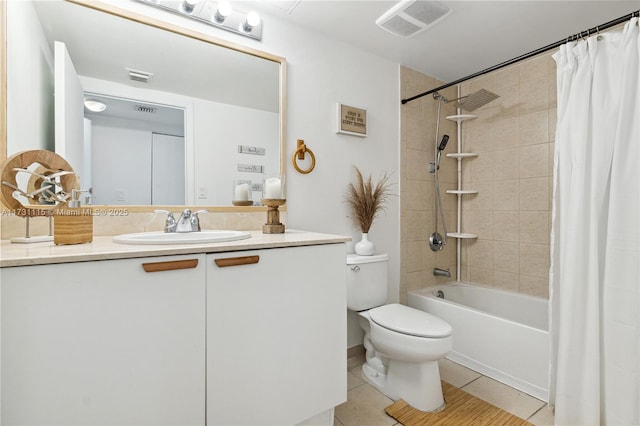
365	405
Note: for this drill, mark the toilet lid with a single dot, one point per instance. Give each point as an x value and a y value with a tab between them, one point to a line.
406	320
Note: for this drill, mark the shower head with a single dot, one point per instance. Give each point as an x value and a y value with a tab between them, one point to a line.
443	143
476	100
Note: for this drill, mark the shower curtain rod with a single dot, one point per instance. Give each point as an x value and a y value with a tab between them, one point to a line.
581	34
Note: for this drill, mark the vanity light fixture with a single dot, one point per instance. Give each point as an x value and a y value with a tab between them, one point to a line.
218	14
223	11
95	106
189	5
252	20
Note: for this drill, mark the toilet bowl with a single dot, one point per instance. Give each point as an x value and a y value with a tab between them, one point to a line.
403	345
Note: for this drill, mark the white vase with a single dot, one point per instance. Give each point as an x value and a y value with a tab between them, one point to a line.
364	247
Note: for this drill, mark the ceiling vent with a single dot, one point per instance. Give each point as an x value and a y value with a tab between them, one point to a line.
139	76
145	108
410	17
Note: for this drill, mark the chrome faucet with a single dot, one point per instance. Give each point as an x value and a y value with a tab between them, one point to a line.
170	223
184	222
438	272
188	222
195	220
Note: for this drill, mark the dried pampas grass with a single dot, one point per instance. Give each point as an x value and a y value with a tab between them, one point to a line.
366	199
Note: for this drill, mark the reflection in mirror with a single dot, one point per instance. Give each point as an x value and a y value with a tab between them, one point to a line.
151	135
229	103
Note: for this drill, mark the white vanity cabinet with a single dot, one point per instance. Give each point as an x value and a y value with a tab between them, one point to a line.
104	342
248	333
276	334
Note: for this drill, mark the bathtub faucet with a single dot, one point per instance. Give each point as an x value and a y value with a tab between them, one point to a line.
441	272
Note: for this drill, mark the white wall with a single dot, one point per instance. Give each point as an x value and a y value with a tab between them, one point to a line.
29	81
69	111
219	129
321	72
87	152
121	165
167	170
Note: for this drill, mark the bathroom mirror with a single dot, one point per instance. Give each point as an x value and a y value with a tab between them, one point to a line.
230	97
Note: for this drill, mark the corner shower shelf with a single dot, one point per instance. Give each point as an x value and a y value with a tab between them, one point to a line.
461	117
462	235
462	155
461	191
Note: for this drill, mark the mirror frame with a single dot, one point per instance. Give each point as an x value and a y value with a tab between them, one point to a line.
166	26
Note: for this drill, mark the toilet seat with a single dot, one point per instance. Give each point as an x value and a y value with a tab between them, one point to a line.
406	320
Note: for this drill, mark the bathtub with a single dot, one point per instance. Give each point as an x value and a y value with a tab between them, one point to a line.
499	333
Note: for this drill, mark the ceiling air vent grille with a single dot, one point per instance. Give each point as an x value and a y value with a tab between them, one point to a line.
401	27
145	108
410	17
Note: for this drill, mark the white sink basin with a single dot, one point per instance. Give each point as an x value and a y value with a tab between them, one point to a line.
160	237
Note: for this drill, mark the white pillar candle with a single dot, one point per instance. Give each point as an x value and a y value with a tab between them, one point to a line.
272	188
242	192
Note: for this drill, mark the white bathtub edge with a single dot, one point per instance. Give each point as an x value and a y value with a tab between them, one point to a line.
521	385
491	354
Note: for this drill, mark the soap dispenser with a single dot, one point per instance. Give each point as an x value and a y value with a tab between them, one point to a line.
73	224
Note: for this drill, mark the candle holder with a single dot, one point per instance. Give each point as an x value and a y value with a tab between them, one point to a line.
242	193
273	225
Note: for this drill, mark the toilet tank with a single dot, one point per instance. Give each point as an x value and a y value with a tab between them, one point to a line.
366	281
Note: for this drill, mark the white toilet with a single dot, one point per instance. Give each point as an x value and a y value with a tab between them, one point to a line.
403	344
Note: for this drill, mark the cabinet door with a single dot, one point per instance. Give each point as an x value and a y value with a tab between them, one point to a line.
104	343
276	335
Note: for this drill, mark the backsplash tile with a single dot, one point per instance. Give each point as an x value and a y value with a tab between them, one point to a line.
128	222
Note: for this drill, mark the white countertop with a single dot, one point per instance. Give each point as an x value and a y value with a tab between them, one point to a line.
103	248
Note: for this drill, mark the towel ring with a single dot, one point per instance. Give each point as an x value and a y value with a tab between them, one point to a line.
299	155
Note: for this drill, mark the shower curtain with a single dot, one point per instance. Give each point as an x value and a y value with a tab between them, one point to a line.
595	238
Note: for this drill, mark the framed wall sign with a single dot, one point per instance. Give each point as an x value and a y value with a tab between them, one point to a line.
352	120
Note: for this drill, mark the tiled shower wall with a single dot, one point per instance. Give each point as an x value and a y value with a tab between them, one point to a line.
511	214
417	194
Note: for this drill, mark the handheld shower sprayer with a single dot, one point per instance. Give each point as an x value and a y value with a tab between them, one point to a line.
443	143
441	147
436	242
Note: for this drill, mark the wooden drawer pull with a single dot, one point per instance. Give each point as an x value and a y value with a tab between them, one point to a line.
170	265
235	261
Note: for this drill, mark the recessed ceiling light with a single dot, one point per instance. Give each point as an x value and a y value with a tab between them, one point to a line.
95	106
